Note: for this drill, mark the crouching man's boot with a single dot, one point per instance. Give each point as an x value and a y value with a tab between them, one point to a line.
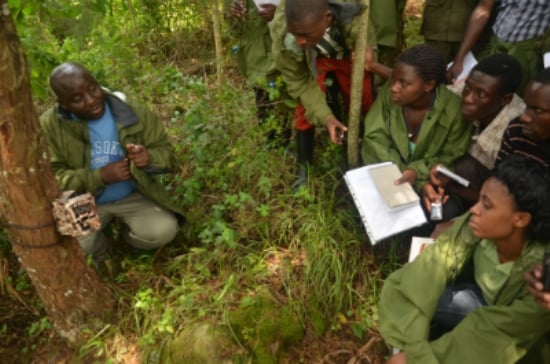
304	150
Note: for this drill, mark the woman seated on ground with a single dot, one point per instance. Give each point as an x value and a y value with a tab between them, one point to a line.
464	299
416	121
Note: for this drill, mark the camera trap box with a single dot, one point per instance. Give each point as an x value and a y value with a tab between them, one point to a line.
75	215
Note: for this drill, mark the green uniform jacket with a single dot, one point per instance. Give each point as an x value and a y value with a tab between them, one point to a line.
387	16
443	137
69	145
297	66
254	43
446	20
499	333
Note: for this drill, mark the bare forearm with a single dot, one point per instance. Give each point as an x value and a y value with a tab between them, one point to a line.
478	20
381	70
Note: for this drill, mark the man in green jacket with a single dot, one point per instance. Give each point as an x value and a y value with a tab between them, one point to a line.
249	23
114	149
387	18
312	38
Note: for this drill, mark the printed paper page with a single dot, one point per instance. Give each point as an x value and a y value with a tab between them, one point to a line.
469	63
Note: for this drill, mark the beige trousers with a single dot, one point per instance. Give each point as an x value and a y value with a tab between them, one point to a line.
145	225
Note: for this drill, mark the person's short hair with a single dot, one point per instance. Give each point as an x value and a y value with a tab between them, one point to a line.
300	10
528	181
67	68
504	67
427	60
543	76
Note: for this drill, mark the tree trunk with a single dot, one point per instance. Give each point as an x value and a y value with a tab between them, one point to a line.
357	76
73	295
216	25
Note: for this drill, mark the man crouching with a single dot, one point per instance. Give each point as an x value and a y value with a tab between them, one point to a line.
114	149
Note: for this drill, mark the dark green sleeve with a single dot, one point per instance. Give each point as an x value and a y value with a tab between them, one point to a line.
410	295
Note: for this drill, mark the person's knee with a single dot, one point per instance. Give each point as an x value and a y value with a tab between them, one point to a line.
157	233
165	230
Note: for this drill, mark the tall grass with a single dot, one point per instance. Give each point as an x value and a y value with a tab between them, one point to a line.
248	235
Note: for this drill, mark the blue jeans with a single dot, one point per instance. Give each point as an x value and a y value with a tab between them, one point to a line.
454	304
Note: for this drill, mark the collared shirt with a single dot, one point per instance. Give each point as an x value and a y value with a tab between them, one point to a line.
485	145
519	20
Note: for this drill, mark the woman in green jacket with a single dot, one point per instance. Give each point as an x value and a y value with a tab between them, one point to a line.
469	284
416	122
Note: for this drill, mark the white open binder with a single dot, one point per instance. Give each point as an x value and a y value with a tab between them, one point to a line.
380	222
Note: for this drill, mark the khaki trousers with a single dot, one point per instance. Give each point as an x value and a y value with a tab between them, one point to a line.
146	225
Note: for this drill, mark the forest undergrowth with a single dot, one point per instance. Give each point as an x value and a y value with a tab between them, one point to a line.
259	274
265	268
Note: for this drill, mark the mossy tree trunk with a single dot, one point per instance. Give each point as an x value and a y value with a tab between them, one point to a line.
357	76
216	25
73	295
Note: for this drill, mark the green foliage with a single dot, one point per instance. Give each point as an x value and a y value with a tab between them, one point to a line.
116	40
38	327
44	25
159	323
260	323
252	247
22	281
411	31
250	236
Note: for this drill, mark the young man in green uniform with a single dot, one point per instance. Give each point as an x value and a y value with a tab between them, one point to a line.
312	38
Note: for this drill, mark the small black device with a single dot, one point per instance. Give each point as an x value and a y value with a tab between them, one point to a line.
546	271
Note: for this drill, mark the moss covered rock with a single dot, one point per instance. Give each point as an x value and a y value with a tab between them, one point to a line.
265	327
201	344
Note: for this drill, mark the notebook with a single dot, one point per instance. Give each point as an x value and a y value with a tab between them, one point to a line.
395	196
380	222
